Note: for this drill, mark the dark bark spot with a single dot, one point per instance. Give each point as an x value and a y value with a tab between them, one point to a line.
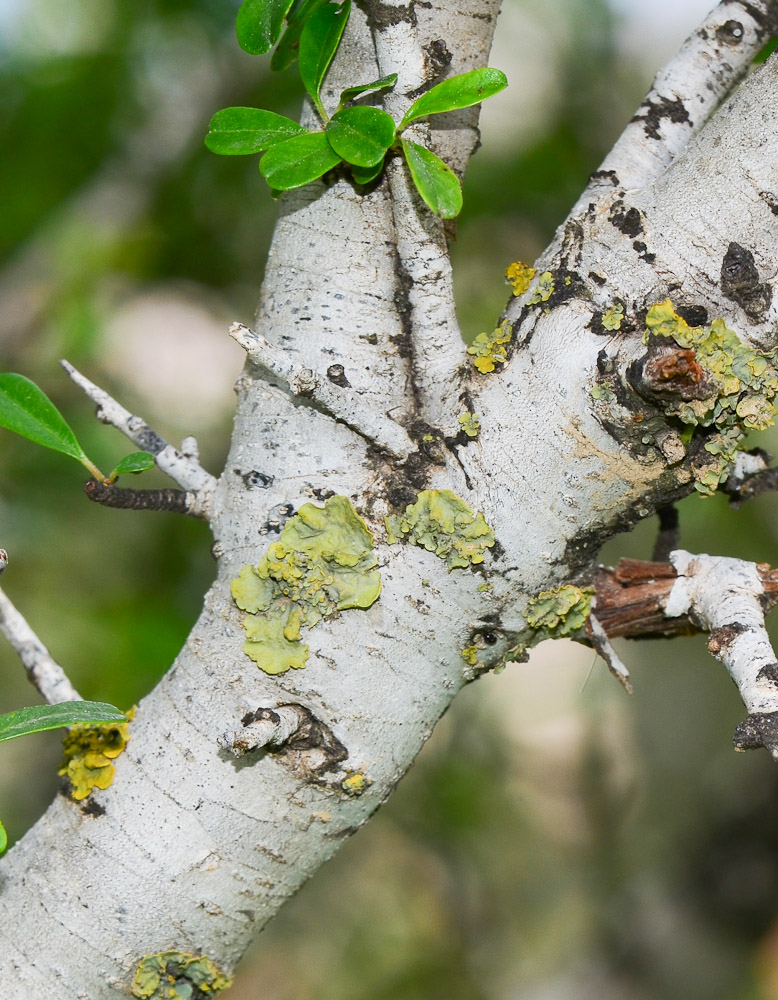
770	200
740	282
437	58
769	672
597	278
608	176
730	33
629	221
757	730
642	252
653	112
337	375
91	808
722	638
254	479
694	315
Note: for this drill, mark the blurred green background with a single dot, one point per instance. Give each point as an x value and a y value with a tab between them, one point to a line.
556	839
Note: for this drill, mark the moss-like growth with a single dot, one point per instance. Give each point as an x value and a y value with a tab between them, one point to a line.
323	562
612	318
89	752
543	290
519	275
470	423
441	522
489	349
744	383
561	611
177	975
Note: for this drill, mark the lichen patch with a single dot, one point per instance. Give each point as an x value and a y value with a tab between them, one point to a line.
322	563
441	522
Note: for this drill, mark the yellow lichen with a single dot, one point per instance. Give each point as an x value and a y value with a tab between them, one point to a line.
489	349
543	290
561	611
323	562
612	318
470	423
177	975
470	655
519	275
355	783
89	751
443	523
743	384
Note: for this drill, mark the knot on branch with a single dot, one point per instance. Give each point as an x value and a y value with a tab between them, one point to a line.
758	730
287	728
668	370
740	282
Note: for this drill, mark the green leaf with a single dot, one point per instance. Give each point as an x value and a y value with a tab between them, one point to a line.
318	44
27	410
259	24
437	184
385	83
138	461
361	135
66	713
298	161
3	838
286	50
459	92
365	175
239	131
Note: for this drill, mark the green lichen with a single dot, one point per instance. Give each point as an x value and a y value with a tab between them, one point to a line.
561	611
441	522
489	349
743	381
323	562
543	290
519	275
602	392
177	975
470	423
89	752
612	318
355	783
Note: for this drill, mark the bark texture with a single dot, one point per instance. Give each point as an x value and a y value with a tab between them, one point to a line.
195	849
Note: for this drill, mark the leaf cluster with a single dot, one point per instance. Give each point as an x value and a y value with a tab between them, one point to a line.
27	410
357	135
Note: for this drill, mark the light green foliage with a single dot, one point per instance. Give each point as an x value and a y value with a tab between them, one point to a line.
441	522
89	751
137	461
177	975
519	275
3	839
744	383
612	318
561	611
543	290
240	131
298	161
489	349
458	92
39	718
359	136
323	562
436	182
470	423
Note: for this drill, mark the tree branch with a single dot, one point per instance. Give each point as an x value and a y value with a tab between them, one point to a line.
42	669
181	467
330	393
684	95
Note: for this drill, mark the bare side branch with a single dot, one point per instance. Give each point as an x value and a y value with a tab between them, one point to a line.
685	93
181	467
42	669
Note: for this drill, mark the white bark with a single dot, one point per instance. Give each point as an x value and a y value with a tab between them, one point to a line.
196	851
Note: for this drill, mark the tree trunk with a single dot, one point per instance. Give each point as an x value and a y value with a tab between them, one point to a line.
354	388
